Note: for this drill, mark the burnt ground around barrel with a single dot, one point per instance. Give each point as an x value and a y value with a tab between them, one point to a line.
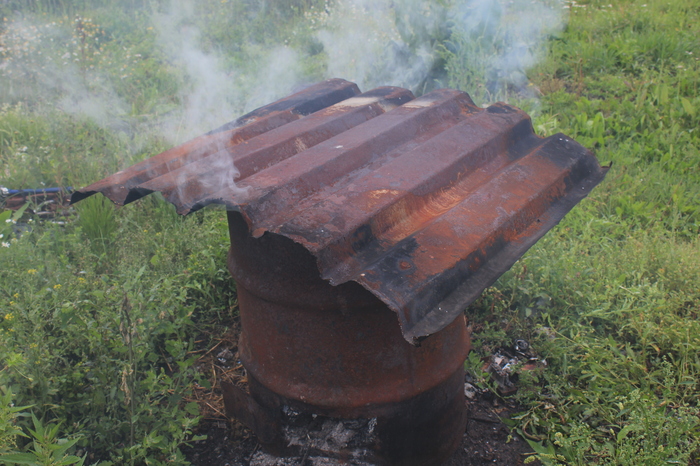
487	440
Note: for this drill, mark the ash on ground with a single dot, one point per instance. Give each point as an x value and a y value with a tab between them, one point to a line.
263	459
332	438
487	440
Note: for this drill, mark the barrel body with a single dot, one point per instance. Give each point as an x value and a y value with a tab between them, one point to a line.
311	348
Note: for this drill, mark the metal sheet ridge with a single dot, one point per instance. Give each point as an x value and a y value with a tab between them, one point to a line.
119	186
424	201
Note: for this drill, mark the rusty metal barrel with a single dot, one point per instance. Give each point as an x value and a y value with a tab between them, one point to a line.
338	351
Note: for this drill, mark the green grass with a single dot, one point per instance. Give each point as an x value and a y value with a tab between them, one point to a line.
617	284
102	315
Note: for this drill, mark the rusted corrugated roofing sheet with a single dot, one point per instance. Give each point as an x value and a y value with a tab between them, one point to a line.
423	201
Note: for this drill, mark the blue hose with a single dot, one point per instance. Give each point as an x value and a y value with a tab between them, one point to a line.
12	192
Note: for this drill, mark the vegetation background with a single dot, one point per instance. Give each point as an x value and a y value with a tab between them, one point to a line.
104	312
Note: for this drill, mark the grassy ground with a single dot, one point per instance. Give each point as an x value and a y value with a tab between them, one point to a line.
103	312
611	296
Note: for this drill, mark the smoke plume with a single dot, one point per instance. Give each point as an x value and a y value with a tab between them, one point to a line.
483	47
44	62
408	43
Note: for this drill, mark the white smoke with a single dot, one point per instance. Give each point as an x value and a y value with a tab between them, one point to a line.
369	42
499	41
278	74
206	100
486	45
379	42
214	93
42	62
397	42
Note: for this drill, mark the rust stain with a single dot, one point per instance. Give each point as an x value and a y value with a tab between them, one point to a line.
422	201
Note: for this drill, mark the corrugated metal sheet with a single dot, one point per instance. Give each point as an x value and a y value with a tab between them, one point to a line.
425	202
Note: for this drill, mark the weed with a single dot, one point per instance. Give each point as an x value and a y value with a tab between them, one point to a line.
9	415
126	396
8	220
47	448
97	221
